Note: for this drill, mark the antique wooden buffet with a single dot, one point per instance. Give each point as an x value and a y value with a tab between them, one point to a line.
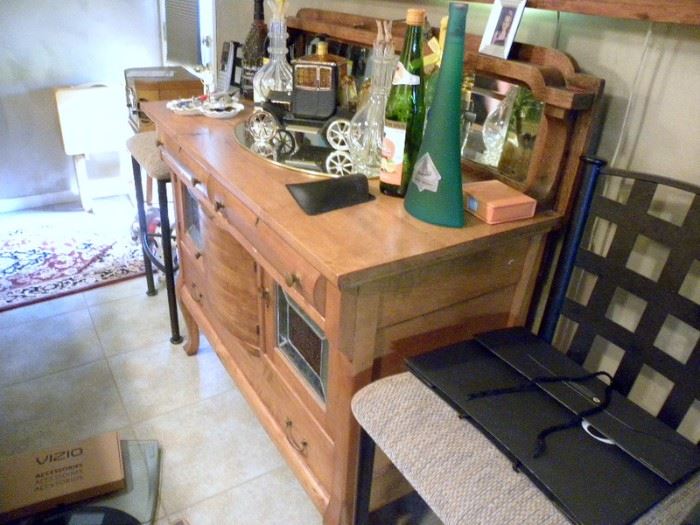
358	287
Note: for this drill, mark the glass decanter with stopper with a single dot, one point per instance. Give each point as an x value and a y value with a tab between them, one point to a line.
276	75
496	127
367	125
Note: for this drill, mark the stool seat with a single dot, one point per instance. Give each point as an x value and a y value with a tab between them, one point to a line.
144	149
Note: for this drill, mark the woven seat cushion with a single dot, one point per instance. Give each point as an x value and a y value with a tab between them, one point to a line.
144	149
455	468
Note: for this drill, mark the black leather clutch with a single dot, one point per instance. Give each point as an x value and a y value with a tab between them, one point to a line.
331	194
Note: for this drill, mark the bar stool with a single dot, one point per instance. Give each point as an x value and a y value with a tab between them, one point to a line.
145	154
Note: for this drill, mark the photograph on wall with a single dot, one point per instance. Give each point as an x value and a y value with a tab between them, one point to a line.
501	27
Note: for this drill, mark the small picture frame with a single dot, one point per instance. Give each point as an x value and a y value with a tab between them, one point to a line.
501	27
228	66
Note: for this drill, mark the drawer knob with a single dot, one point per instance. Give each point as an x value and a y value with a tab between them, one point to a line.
292	279
218	205
299	447
196	294
198	255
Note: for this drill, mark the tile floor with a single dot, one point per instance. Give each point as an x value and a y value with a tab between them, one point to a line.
100	361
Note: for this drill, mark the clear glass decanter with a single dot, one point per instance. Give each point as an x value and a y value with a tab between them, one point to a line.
367	125
276	75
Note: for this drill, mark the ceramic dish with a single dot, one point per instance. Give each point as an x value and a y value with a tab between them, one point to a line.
185	106
222	110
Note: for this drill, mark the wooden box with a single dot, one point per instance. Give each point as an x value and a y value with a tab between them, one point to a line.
146	84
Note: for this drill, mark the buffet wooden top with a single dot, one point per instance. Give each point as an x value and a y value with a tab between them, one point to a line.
349	246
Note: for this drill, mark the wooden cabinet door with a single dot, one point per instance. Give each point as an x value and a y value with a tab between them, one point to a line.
232	285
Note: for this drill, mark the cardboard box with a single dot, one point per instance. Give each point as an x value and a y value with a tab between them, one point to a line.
495	202
38	481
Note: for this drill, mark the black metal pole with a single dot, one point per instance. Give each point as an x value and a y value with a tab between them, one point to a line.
150	286
168	261
567	258
364	478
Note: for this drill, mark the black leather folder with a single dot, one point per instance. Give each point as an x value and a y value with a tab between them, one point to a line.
331	194
591	481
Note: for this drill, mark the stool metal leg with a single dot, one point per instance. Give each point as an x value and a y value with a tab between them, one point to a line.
151	289
364	478
168	261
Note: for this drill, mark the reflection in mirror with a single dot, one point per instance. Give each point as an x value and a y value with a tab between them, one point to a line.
504	120
306	151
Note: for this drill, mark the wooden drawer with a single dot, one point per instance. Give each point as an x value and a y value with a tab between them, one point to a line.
233	211
192	274
293	273
305	438
184	166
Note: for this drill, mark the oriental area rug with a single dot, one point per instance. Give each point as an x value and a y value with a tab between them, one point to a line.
51	254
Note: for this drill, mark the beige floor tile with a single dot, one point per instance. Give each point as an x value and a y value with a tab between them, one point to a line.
65	406
132	323
275	498
37	348
208	448
43	310
120	290
159	379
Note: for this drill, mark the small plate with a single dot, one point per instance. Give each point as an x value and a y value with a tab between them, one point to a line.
185	106
221	110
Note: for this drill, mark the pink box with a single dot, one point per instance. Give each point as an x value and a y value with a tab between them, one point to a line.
495	202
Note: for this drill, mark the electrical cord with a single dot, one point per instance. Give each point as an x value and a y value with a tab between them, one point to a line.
621	139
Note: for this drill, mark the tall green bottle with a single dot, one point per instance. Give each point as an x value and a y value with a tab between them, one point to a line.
405	111
435	192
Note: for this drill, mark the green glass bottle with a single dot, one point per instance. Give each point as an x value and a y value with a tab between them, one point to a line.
435	192
405	111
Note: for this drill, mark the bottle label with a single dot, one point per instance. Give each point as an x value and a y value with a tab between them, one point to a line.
392	152
247	80
403	77
426	175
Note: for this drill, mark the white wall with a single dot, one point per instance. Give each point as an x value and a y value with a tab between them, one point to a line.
45	44
664	125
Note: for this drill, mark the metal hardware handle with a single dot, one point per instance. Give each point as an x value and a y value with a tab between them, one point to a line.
299	447
292	279
195	294
252	351
198	255
266	297
218	206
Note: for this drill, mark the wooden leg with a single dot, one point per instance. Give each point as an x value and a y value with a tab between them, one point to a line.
191	345
81	176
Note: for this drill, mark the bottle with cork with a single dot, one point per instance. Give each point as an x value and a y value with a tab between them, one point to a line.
405	111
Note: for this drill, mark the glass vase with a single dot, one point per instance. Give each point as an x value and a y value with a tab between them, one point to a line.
276	75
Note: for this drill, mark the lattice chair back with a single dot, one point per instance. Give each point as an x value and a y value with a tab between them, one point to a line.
632	305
